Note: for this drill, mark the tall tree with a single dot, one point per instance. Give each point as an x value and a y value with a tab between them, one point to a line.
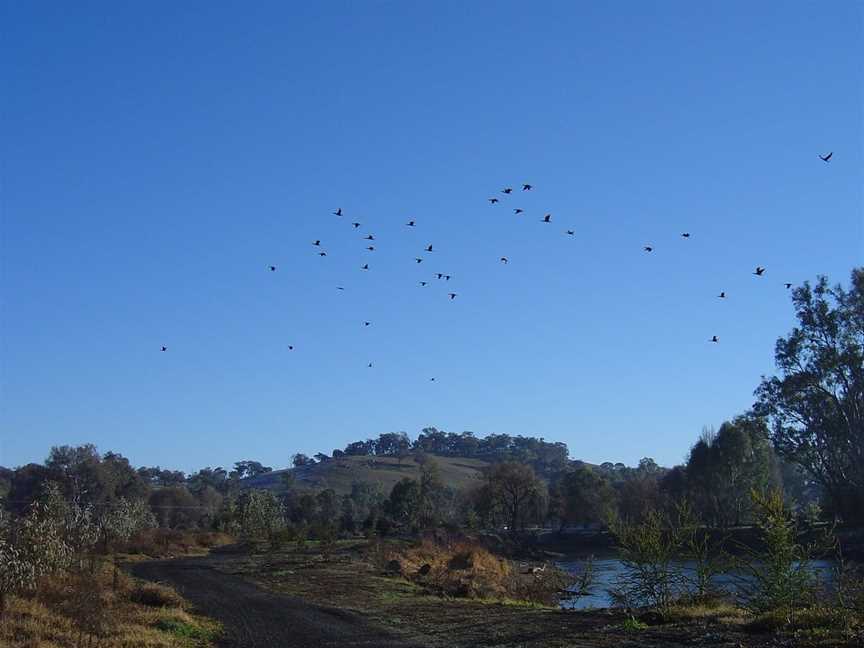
517	491
816	403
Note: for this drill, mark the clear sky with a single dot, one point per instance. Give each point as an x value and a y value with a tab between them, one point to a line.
157	156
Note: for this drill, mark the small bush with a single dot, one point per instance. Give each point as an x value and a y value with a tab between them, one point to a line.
155	595
632	624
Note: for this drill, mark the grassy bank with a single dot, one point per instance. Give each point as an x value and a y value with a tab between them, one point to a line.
103	610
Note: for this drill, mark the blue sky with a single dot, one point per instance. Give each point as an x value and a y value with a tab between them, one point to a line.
158	156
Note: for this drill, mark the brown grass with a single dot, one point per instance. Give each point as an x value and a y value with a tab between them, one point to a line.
168	543
466	570
74	610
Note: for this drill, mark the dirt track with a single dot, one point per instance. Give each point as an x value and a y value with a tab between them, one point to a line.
253	617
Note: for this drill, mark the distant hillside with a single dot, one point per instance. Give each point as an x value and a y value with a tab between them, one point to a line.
340	473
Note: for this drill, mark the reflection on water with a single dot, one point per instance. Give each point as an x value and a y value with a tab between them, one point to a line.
608	568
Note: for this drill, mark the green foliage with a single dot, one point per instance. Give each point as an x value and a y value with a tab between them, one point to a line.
514	492
816	404
649	549
779	578
632	624
724	467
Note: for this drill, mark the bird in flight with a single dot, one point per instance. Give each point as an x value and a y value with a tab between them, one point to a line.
290	348
365	266
356	225
685	235
493	200
547	218
340	288
431	380
648	248
788	285
318	243
452	295
518	211
272	268
571	232
410	223
371	248
507	190
322	253
722	294
826	158
446	277
366	323
369	237
429	248
504	260
714	338
338	212
759	271
164	348
440	276
369	365
423	283
527	187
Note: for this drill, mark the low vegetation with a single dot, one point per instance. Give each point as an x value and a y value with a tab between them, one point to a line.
69	610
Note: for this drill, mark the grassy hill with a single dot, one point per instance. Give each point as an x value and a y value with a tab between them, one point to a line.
339	474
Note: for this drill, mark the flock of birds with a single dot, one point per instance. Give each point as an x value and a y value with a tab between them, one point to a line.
507	191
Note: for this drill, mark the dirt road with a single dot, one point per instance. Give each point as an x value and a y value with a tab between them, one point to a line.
255	618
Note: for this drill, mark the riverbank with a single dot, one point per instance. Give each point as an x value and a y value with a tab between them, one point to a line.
346	579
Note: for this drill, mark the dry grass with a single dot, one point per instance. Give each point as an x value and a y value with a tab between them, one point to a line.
82	609
169	543
467	570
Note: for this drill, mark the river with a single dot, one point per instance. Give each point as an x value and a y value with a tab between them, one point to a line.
607	568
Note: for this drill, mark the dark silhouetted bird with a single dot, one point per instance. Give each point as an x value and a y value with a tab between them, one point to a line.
322	254
418	259
356	225
685	235
759	271
369	237
440	276
272	268
788	285
339	288
369	365
371	248
493	200
507	190
164	348
429	248
504	260
338	212
648	248
365	266
290	348
431	380
452	295
446	277
317	243
518	211
527	187
571	232
722	295
825	158
714	339
423	283
366	323
410	223
547	218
